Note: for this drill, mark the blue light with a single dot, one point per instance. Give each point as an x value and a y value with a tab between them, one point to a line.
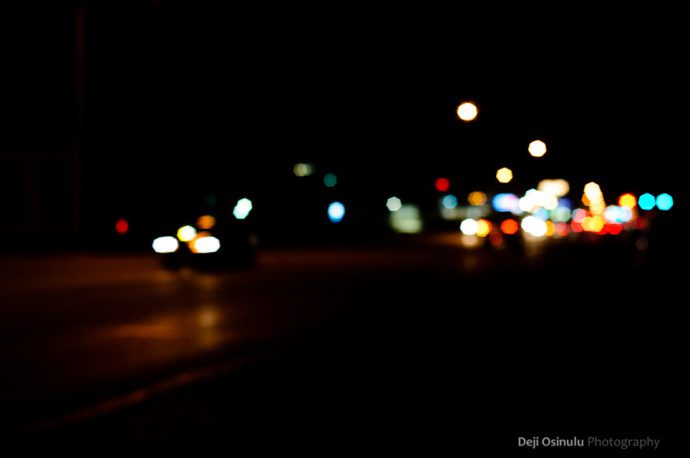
541	213
664	202
449	202
505	202
336	212
566	203
646	201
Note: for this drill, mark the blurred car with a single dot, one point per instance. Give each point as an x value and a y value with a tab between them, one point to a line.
208	245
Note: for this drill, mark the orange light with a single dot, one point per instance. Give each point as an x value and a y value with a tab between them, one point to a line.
121	226
627	200
510	226
206	222
476	198
550	228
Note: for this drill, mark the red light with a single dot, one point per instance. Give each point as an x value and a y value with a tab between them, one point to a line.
122	226
442	184
510	226
615	229
575	226
562	229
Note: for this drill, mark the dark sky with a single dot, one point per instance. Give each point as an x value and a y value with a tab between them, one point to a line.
368	92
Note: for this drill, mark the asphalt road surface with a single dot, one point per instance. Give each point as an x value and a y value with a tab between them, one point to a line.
413	346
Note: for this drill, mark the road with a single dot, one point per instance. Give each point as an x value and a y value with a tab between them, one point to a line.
406	333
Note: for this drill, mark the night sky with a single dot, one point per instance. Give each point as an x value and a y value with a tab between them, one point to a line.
182	97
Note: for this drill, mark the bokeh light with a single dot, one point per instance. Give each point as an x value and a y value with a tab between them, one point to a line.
505	202
504	175
537	148
165	245
242	208
336	212
442	184
646	201
483	228
204	245
558	187
206	222
449	201
303	169
121	226
627	200
510	226
469	227
406	220
664	202
467	111
330	180
393	204
593	223
186	233
534	226
476	198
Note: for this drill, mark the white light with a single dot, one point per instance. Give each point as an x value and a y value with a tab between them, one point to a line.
205	245
467	111
242	208
393	204
534	226
558	188
336	212
469	227
593	193
164	245
406	220
537	148
186	233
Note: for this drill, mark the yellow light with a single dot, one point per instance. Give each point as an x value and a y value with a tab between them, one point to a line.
476	198
537	148
186	233
206	222
593	223
550	228
504	175
467	111
627	200
303	169
483	228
